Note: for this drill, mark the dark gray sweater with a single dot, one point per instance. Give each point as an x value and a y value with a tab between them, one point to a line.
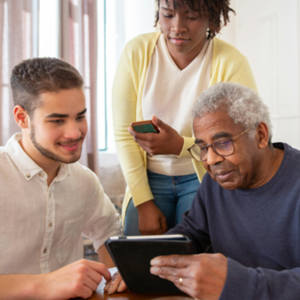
257	229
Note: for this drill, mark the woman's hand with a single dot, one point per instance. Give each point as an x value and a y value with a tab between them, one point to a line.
151	219
167	141
116	284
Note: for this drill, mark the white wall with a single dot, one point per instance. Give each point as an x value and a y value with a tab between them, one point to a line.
267	32
228	33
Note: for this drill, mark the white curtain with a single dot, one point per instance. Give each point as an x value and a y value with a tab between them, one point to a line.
18	25
79	47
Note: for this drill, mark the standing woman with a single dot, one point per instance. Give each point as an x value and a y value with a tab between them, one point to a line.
159	77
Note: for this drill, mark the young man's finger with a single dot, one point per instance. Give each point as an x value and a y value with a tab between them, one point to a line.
85	293
90	284
95	276
100	268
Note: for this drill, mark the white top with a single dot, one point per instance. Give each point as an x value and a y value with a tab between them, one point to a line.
170	94
41	227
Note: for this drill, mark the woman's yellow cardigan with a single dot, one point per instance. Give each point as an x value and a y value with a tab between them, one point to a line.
228	64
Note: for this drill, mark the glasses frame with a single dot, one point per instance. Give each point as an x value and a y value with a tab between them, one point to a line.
232	140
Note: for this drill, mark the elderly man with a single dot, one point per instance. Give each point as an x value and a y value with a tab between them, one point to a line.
246	215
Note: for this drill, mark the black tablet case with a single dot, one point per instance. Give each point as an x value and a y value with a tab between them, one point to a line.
132	258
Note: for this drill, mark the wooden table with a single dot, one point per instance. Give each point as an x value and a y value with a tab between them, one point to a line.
100	295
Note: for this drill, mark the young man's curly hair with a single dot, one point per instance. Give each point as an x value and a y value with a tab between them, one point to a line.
216	10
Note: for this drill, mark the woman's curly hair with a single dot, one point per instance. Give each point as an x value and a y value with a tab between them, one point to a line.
216	10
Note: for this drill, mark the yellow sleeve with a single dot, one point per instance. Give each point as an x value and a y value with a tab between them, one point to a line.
124	104
245	77
187	143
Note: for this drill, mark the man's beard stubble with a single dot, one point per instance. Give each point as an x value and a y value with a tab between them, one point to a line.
49	154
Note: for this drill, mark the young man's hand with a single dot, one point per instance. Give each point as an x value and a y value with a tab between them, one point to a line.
78	279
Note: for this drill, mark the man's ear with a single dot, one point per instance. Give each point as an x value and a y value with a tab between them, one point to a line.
262	135
21	117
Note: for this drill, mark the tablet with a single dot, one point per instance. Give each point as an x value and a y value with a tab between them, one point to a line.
132	255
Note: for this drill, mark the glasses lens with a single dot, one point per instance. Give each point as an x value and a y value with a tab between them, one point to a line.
223	147
195	152
198	153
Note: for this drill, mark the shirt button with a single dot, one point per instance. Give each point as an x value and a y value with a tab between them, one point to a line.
27	175
41	174
49	195
45	250
50	225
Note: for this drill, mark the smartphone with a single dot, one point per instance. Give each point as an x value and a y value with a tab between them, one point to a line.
144	127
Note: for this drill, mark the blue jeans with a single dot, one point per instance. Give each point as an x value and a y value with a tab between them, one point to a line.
173	195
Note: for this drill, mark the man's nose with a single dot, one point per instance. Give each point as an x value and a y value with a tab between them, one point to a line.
178	25
213	157
73	131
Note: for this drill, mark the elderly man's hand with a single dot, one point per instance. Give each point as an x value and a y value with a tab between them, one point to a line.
116	284
200	276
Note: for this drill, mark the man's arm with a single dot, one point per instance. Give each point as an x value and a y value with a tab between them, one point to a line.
260	283
104	257
79	279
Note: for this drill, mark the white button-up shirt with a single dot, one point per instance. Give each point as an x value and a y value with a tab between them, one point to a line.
41	227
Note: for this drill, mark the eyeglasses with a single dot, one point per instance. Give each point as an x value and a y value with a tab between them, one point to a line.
222	148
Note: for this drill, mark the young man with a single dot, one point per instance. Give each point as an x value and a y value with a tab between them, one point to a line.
48	201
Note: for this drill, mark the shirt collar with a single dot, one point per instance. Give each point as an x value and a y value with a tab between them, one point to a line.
63	172
25	164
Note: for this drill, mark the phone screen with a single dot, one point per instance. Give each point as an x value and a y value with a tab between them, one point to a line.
144	128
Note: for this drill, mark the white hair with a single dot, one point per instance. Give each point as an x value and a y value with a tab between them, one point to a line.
243	105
